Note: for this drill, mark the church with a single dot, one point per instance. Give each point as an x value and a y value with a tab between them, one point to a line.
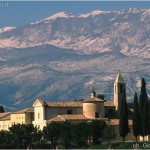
43	113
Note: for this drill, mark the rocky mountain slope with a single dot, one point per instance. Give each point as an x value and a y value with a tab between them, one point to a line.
91	49
126	31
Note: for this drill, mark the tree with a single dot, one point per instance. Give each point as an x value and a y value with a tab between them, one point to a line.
97	127
52	133
22	135
29	134
1	109
101	96
66	134
80	134
36	136
5	140
123	117
136	117
108	133
143	107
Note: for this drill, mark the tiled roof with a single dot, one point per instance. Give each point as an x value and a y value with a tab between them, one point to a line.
116	122
64	104
24	110
75	117
5	116
76	103
94	99
109	103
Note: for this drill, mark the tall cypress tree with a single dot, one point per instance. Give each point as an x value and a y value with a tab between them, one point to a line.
123	117
136	117
143	106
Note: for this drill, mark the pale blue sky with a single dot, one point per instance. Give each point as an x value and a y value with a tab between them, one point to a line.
21	13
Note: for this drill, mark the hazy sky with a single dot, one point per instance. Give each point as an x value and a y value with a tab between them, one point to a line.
21	13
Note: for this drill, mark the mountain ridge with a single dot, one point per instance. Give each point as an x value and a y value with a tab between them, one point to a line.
125	30
62	59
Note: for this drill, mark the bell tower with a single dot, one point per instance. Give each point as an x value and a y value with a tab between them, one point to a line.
119	87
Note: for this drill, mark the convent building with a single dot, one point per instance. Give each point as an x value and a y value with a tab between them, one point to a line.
43	113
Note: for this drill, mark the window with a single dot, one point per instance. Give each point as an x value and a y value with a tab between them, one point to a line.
115	89
38	115
38	126
69	111
96	115
121	88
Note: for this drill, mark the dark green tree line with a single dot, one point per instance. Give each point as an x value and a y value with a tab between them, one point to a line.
52	133
64	135
96	130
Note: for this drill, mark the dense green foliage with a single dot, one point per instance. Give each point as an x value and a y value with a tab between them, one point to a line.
66	134
52	133
101	96
24	135
123	118
1	109
136	117
97	128
143	108
108	133
81	134
131	105
55	135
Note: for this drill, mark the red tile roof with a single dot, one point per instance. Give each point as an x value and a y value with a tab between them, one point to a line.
75	117
65	104
23	111
116	122
5	116
94	99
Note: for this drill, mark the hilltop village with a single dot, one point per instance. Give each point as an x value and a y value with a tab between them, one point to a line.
43	113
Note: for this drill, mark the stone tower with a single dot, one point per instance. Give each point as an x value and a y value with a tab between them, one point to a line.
119	87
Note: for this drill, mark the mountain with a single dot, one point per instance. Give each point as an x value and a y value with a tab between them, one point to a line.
5	29
126	31
61	57
56	74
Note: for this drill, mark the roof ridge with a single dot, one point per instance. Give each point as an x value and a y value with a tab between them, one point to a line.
61	117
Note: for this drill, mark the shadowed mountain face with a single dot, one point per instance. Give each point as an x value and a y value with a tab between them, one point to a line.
54	74
91	49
